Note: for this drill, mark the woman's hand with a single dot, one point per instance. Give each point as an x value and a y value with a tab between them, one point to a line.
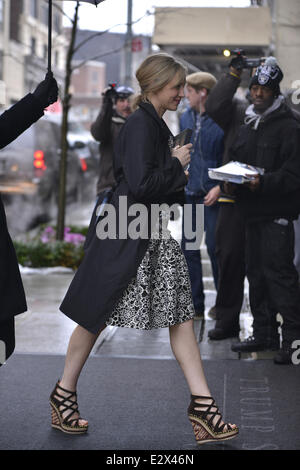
183	154
212	196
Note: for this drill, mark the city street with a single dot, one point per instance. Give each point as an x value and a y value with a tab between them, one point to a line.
139	104
249	389
45	289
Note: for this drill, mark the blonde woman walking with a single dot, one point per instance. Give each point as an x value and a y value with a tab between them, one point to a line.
140	282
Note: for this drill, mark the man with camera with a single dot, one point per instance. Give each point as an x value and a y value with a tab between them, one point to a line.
270	139
115	110
228	112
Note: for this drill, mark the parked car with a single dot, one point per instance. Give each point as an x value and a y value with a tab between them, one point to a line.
29	170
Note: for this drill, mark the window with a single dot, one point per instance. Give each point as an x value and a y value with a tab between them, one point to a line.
33	46
44	14
57	23
56	58
33	8
1	13
95	76
45	51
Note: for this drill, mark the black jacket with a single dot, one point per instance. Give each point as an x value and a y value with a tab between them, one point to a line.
226	110
12	297
105	130
274	146
145	173
13	122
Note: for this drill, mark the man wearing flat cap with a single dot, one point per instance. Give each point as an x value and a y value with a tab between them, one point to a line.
270	139
207	152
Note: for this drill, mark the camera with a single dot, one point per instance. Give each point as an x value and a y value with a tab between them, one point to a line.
111	91
242	62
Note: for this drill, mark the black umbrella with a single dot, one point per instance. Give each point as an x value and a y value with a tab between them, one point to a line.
94	2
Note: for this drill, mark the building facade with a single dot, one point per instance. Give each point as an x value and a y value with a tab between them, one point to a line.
100	59
286	38
24	47
199	35
88	82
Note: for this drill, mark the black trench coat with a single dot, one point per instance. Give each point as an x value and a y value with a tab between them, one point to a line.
12	298
146	173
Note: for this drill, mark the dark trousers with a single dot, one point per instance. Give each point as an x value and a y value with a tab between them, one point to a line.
273	278
230	252
193	257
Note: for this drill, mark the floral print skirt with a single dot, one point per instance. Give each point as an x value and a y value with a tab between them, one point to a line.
160	294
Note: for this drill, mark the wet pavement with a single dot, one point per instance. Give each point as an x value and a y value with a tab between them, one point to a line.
240	381
43	329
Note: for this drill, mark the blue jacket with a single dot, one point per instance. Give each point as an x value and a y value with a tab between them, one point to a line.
208	147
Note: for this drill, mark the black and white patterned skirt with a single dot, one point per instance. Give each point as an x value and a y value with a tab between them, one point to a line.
160	294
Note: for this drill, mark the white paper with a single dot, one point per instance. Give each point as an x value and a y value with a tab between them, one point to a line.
235	172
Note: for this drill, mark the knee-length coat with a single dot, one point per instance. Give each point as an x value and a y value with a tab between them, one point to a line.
13	122
145	173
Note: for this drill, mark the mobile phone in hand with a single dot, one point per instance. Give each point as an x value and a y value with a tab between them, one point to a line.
183	137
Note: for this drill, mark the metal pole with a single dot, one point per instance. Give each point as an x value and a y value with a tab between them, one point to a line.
49	35
128	65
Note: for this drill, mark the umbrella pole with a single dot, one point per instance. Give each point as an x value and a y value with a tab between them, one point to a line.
49	35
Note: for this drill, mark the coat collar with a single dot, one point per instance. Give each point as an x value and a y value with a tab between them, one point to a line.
149	108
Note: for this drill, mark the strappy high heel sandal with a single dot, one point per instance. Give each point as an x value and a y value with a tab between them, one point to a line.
59	406
203	419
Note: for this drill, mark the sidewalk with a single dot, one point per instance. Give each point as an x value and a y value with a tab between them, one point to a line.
44	329
132	390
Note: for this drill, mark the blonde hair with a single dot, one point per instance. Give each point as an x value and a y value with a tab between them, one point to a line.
155	72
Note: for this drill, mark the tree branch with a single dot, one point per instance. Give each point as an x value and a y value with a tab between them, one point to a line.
98	56
100	33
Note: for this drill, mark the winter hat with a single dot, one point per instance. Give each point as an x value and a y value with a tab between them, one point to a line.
124	91
269	74
201	80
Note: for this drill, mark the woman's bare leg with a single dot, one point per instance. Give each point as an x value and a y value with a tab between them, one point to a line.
79	348
185	348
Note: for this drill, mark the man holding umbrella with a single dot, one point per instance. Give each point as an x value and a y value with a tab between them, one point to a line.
12	298
12	123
